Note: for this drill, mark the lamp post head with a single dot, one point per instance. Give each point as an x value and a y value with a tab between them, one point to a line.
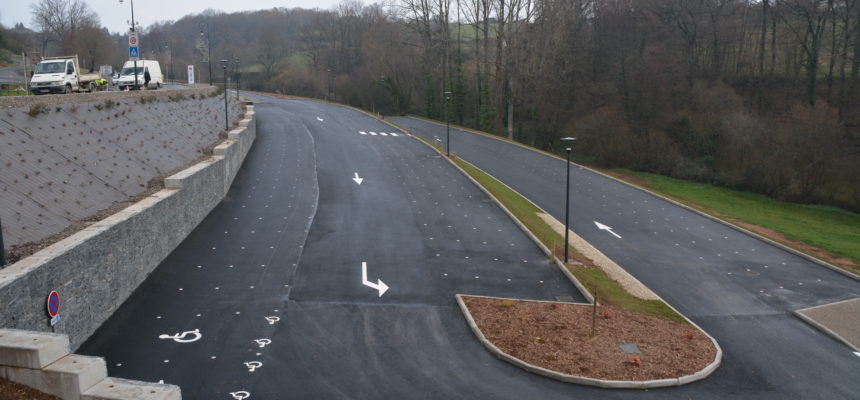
568	140
224	64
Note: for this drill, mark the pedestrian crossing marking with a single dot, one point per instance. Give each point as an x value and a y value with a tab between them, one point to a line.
370	133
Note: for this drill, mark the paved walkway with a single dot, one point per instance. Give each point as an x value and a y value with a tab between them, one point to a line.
840	320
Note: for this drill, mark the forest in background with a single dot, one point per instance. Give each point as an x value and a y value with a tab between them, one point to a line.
762	96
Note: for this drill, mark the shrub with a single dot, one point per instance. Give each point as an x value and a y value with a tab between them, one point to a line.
37	109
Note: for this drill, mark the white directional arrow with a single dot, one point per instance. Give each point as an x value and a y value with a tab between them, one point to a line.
357	179
606	228
319	119
379	285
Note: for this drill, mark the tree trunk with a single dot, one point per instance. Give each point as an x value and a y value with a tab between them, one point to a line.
763	40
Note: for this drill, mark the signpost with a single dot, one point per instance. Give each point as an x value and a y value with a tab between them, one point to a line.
54	307
190	74
133	46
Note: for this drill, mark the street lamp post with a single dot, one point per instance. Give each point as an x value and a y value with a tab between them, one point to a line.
132	29
226	117
169	60
238	74
208	47
330	89
2	249
447	126
568	141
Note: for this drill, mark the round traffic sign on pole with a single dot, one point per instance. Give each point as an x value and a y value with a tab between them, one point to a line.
53	304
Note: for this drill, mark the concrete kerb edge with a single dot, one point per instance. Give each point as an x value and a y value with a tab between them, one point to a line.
815	324
602	383
677	203
703	373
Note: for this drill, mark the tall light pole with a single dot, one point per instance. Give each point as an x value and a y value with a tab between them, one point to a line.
132	29
208	48
238	74
167	47
330	89
2	249
447	126
226	117
569	142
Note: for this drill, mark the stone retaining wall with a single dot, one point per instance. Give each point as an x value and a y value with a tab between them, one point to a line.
61	163
96	269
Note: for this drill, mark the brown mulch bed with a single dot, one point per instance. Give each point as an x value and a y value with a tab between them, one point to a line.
557	336
14	391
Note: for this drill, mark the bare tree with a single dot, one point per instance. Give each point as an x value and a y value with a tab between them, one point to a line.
62	18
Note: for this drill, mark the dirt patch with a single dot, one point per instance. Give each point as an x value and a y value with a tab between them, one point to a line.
15	391
821	254
623	176
558	336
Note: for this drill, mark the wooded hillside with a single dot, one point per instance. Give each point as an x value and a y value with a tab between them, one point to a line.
756	95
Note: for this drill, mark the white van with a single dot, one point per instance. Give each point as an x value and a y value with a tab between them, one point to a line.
126	76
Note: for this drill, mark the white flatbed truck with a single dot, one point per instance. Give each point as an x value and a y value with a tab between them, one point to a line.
62	75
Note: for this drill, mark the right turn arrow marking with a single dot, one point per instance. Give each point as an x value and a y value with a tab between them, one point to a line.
379	285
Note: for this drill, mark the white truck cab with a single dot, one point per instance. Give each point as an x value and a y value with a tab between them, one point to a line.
126	76
61	75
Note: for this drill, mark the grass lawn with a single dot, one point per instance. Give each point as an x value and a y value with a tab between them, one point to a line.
829	228
595	280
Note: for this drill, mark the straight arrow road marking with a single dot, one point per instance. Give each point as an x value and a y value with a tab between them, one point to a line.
357	179
379	285
606	228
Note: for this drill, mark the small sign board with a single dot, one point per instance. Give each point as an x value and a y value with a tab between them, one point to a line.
132	39
190	74
54	307
133	53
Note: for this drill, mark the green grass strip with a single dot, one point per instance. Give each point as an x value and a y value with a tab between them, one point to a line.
825	227
594	279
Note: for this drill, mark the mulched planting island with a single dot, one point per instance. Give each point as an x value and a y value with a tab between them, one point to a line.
557	336
14	391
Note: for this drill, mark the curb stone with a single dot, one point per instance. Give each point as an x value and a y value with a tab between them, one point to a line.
704	373
602	383
815	324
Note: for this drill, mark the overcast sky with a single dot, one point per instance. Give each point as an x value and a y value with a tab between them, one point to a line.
114	15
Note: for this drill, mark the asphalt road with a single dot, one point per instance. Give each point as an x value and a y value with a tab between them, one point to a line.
739	289
271	280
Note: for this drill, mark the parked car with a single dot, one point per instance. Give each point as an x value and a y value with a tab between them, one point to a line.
126	76
61	75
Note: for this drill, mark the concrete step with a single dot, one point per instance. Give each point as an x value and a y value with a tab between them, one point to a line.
34	350
66	378
123	389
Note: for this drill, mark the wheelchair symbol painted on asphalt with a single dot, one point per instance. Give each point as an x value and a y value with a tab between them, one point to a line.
253	365
263	342
184	336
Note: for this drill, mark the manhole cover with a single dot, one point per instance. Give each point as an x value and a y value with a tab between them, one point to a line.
629	348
